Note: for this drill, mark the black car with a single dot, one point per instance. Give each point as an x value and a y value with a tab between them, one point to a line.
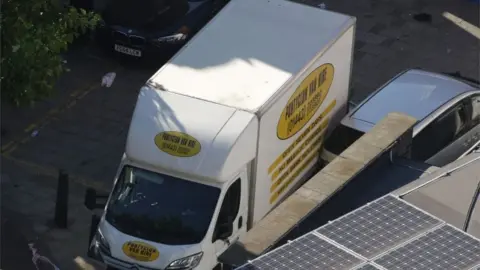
152	27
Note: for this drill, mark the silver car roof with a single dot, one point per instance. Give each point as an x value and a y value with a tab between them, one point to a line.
417	93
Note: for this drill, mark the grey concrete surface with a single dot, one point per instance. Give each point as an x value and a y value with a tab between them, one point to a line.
448	193
27	213
14	251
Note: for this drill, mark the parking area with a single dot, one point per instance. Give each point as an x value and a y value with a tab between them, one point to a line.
84	132
83	129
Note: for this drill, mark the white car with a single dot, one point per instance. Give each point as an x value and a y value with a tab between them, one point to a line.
447	109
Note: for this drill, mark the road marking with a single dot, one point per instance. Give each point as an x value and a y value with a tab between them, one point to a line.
36	257
51	172
470	28
83	264
76	95
7	146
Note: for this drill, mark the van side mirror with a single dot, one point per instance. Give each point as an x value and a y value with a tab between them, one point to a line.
92	197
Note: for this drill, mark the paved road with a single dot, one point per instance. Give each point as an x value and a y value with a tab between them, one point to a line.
27	210
15	251
85	134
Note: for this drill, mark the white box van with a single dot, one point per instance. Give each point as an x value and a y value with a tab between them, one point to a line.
224	131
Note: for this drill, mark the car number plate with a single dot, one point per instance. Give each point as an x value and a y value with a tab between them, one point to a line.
128	51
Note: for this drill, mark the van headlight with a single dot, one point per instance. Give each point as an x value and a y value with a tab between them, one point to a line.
187	262
101	243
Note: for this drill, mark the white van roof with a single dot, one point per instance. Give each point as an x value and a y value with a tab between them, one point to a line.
223	143
249	50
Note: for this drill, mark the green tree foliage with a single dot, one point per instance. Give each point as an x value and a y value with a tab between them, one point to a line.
34	34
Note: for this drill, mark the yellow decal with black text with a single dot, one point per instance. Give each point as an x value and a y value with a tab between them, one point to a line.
307	158
140	251
299	155
305	101
304	134
311	142
314	147
177	144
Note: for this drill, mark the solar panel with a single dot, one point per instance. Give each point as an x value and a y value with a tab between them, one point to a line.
378	226
389	233
443	248
308	252
368	267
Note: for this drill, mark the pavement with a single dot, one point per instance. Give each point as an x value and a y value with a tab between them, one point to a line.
28	207
82	129
14	244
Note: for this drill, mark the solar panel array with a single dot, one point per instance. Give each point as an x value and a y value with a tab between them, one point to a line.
386	234
307	252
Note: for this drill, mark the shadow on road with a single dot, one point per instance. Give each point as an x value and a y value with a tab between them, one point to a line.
15	252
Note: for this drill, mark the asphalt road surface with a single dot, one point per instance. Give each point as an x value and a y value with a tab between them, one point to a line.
15	252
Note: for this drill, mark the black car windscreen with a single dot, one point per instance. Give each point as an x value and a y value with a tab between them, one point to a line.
144	14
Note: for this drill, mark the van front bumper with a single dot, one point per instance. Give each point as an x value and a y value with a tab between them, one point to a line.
114	263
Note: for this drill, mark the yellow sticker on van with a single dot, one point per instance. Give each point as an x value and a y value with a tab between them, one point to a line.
140	251
177	144
305	101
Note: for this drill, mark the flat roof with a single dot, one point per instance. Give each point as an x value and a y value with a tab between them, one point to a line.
388	233
174	133
375	181
249	51
419	226
448	193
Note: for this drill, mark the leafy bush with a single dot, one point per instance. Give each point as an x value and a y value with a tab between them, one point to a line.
34	34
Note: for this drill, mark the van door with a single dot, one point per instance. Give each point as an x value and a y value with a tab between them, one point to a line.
232	219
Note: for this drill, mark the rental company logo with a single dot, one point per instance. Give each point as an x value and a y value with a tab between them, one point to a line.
177	144
140	251
305	101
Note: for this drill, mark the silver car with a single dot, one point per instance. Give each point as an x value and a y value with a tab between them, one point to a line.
448	113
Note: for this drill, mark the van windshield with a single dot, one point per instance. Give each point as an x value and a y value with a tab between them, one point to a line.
161	208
